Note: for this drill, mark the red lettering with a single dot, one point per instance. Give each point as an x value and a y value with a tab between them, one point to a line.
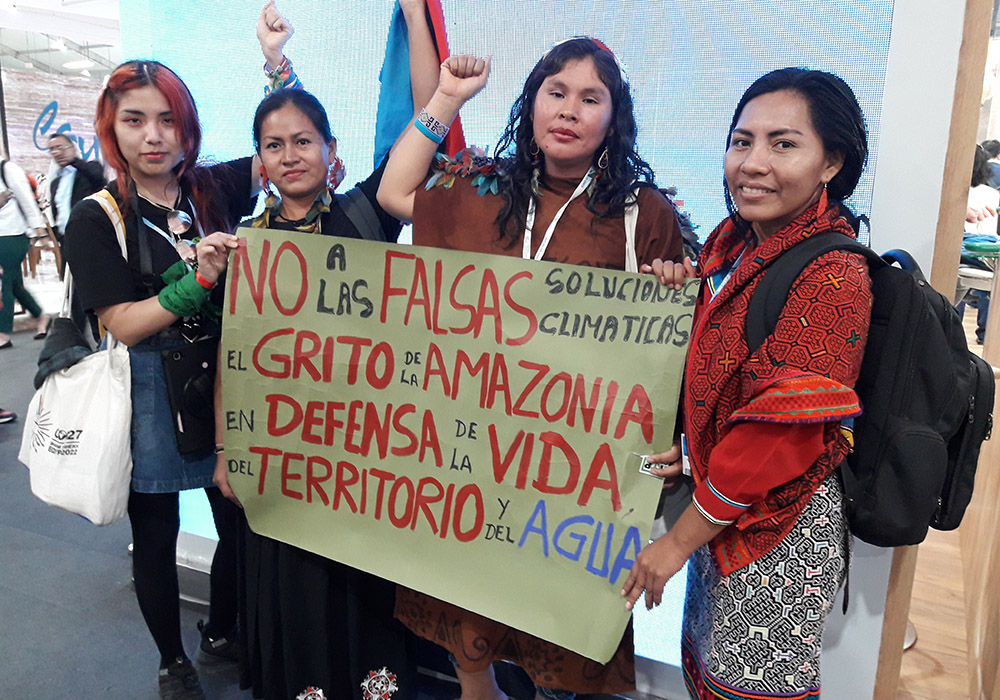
438	274
374	428
347	475
489	287
464	494
311	420
540	372
429	439
287	476
332	422
314	482
541	483
382	477
353	427
523	310
355	361
282	360
397	424
638	409
264	453
603	458
423	501
419	295
375	380
241	261
457	305
387	289
435	368
499	383
401	521
273	402
586	409
302	357
567	382
303	276
482	365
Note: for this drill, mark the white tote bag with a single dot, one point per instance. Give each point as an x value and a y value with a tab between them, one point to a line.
77	440
77	436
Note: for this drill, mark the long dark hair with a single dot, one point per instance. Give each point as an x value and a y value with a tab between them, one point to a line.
981	171
513	151
836	117
305	102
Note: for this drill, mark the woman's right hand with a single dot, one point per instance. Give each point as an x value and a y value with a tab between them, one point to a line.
273	32
670	274
462	77
221	479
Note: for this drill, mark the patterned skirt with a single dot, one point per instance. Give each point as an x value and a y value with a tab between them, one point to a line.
758	632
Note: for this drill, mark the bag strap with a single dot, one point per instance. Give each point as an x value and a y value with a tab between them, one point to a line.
110	207
3	172
771	294
360	211
631	221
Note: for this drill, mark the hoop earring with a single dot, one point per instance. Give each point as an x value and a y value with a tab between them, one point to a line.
533	148
604	160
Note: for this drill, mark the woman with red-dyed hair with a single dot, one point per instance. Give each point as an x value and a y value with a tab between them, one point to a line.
157	294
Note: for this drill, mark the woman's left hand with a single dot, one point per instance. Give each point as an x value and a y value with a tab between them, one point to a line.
273	32
653	567
670	274
213	254
667	465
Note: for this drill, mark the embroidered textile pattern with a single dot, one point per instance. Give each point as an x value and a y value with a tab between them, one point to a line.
803	373
765	641
379	685
311	693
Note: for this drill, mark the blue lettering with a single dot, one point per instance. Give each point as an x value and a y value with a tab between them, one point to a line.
531	527
580	539
51	109
622	562
603	571
44	123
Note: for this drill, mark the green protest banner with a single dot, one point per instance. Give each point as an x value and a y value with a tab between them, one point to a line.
470	426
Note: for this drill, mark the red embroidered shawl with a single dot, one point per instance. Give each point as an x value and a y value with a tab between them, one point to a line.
803	373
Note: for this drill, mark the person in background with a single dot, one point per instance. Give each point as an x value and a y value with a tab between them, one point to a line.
984	200
765	537
992	149
19	213
71	179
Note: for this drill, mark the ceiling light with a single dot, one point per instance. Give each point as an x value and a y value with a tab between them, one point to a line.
78	64
29	64
85	72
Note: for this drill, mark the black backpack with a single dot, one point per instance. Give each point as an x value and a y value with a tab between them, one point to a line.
927	401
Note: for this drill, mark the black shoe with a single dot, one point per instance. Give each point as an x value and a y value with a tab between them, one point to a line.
218	650
179	681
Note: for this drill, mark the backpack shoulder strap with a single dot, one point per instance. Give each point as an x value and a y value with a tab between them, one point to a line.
769	297
362	214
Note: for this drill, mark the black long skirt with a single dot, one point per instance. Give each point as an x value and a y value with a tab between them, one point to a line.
309	622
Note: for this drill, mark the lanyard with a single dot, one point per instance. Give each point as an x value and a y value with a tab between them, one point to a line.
171	238
722	283
529	221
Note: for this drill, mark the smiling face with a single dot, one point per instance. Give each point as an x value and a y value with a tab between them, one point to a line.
570	118
295	155
147	136
776	165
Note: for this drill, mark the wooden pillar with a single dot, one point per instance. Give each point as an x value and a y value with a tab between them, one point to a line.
966	105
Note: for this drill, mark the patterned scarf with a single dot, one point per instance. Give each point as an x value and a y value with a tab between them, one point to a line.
311	223
802	374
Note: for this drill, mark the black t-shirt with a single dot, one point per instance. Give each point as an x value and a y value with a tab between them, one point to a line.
336	222
102	277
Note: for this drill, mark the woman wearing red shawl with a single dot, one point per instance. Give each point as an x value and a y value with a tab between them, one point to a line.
766	534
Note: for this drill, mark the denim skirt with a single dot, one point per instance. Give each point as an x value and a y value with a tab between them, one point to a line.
157	466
